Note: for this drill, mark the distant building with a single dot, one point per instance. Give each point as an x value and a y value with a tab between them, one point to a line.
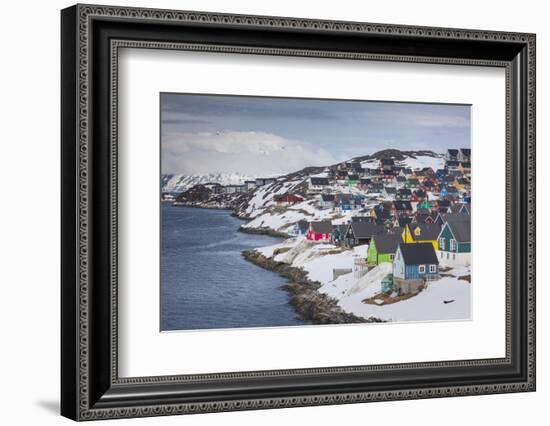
287	199
452	155
233	189
317	184
327	201
387	164
250	184
265	181
464	155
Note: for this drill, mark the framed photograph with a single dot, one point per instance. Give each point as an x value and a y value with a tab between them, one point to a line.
263	212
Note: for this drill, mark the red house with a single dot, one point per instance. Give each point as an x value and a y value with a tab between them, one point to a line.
319	231
287	199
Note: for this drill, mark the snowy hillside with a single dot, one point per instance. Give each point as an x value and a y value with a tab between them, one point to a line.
180	183
412	160
422	161
258	204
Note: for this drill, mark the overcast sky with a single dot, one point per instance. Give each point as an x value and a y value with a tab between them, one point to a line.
265	136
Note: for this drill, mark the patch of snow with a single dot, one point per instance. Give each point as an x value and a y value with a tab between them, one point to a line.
423	161
361	250
428	305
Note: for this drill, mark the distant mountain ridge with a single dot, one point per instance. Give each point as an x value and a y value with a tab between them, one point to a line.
180	183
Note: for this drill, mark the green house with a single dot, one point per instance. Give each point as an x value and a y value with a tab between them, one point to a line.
424	205
352	180
382	248
455	235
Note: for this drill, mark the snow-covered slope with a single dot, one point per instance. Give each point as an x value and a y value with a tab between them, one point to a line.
422	161
411	159
445	299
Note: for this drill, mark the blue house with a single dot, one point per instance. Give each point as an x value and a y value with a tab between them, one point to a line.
413	265
440	173
348	202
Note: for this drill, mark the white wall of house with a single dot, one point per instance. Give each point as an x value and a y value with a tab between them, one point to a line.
453	259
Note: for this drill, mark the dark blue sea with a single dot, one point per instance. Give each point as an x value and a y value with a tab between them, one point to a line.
205	281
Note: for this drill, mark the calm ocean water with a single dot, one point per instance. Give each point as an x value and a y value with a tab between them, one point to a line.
206	283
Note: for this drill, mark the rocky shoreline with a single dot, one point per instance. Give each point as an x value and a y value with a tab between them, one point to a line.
263	231
200	206
305	297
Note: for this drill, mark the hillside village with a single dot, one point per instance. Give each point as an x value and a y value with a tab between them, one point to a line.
387	235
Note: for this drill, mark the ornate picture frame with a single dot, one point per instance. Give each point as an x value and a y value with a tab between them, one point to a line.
91	37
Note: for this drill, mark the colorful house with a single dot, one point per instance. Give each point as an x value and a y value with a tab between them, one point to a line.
452	155
413	265
317	184
387	164
352	180
287	199
440	173
402	207
464	154
422	233
339	233
454	240
347	202
424	204
382	248
327	201
403	194
319	231
389	192
412	183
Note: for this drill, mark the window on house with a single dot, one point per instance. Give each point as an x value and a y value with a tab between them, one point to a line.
432	269
442	243
421	269
453	244
391	256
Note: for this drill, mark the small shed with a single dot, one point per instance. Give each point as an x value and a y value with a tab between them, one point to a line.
386	285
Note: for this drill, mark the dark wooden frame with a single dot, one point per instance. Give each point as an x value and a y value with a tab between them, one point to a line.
90	386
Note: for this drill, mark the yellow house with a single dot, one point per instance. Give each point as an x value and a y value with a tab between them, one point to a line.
461	183
458	185
422	233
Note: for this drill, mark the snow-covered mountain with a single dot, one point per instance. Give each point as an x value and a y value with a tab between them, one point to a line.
180	183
